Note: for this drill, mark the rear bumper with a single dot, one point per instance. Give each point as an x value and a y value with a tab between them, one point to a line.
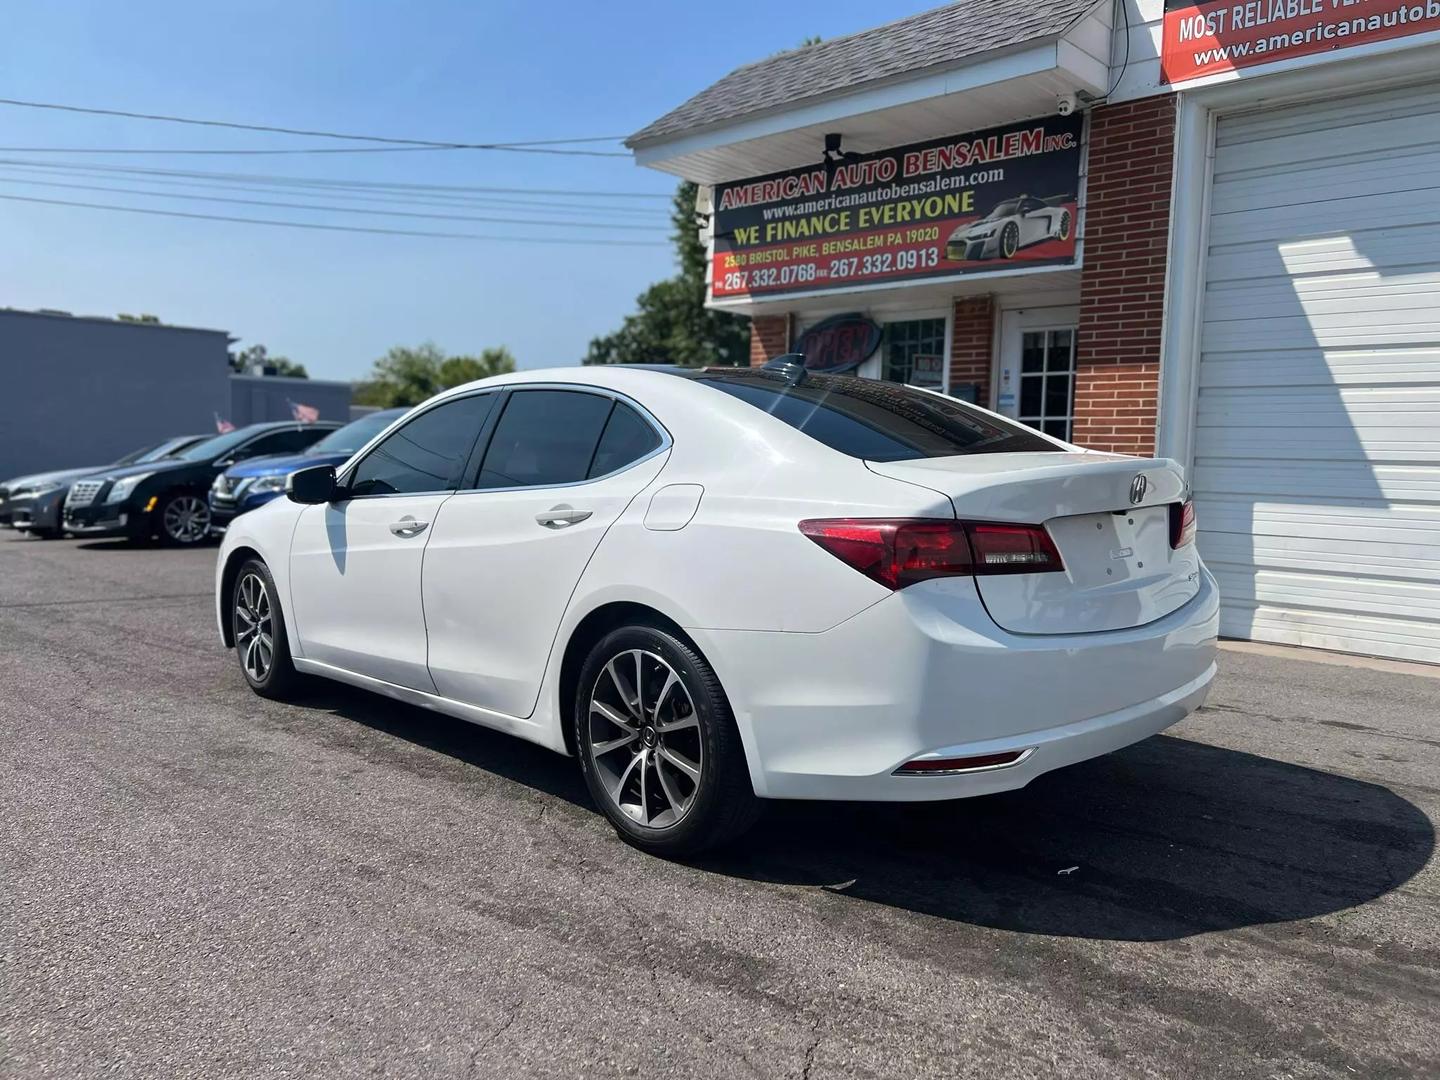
926	673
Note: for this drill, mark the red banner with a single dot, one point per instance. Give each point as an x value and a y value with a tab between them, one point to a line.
1203	37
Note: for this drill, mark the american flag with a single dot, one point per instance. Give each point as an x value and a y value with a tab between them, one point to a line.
222	426
306	414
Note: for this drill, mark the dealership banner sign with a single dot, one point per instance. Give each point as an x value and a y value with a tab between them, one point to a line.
1203	37
968	204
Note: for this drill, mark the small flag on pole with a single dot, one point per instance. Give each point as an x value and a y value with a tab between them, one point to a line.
222	426
305	414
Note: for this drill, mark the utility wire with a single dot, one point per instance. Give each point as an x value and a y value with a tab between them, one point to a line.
624	227
536	145
518	148
573	242
590	210
365	185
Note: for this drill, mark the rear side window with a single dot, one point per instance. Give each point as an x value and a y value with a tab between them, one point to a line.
627	438
427	454
545	437
877	421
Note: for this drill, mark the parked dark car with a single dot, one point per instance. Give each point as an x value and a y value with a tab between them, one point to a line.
166	499
253	483
34	503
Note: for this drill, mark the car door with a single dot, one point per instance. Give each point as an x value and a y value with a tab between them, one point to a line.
505	556
355	562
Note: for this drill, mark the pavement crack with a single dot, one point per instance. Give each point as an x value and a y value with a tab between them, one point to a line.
815	1038
510	1017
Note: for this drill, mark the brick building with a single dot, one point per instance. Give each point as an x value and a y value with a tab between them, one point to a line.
1199	229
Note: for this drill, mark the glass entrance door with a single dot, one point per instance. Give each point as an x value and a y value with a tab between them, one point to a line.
1037	369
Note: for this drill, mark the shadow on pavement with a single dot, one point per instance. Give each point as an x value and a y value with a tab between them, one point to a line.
1169	838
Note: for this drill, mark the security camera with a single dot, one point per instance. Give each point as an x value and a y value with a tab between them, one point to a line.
1067	104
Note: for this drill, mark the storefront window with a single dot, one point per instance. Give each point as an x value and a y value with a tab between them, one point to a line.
1047	381
915	353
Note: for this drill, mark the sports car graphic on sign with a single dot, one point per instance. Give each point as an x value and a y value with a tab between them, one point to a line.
1013	224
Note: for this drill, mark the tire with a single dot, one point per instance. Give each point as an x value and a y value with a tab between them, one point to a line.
47	534
1009	240
184	519
1065	222
640	764
258	626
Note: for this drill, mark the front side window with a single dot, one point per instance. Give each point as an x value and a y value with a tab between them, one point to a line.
544	438
877	421
427	454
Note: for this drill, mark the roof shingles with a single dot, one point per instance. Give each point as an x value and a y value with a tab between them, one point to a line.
931	39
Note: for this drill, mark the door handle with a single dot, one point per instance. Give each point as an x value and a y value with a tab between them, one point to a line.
562	516
408	526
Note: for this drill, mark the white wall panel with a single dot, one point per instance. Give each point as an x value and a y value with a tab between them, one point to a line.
1317	422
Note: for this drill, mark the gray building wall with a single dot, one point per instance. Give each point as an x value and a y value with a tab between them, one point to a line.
77	391
255	399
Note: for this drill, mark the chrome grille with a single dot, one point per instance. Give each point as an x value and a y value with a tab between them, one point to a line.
83	492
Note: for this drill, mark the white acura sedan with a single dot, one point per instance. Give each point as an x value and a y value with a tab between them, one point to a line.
720	586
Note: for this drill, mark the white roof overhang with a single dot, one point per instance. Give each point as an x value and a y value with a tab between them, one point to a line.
992	89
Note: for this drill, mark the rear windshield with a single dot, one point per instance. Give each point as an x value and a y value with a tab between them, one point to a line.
877	421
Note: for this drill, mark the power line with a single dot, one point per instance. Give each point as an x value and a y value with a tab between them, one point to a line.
622	227
533	146
402	198
517	149
367	185
335	228
297	150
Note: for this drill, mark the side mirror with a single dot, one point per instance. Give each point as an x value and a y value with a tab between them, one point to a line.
313	485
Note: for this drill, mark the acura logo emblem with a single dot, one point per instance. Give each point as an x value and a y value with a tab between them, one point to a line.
1137	489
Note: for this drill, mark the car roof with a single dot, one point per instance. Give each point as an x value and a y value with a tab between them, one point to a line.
281	425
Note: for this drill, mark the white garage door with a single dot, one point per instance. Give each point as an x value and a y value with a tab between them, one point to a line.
1317	442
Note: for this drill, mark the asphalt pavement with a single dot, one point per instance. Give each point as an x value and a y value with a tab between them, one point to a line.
195	882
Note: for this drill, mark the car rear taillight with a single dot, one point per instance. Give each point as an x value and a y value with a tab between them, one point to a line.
1012	549
898	552
1182	524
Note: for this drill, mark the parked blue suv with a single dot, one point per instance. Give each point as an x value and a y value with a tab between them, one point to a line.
253	483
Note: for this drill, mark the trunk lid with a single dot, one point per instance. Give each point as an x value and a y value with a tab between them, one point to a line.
1120	570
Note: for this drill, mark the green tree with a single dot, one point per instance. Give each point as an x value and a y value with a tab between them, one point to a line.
258	357
672	324
407	376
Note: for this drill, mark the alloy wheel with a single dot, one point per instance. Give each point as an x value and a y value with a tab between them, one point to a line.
187	519
645	741
254	627
1010	241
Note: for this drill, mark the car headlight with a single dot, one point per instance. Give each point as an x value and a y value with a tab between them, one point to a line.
266	485
34	490
125	486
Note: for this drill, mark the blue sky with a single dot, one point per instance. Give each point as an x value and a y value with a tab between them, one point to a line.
444	70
